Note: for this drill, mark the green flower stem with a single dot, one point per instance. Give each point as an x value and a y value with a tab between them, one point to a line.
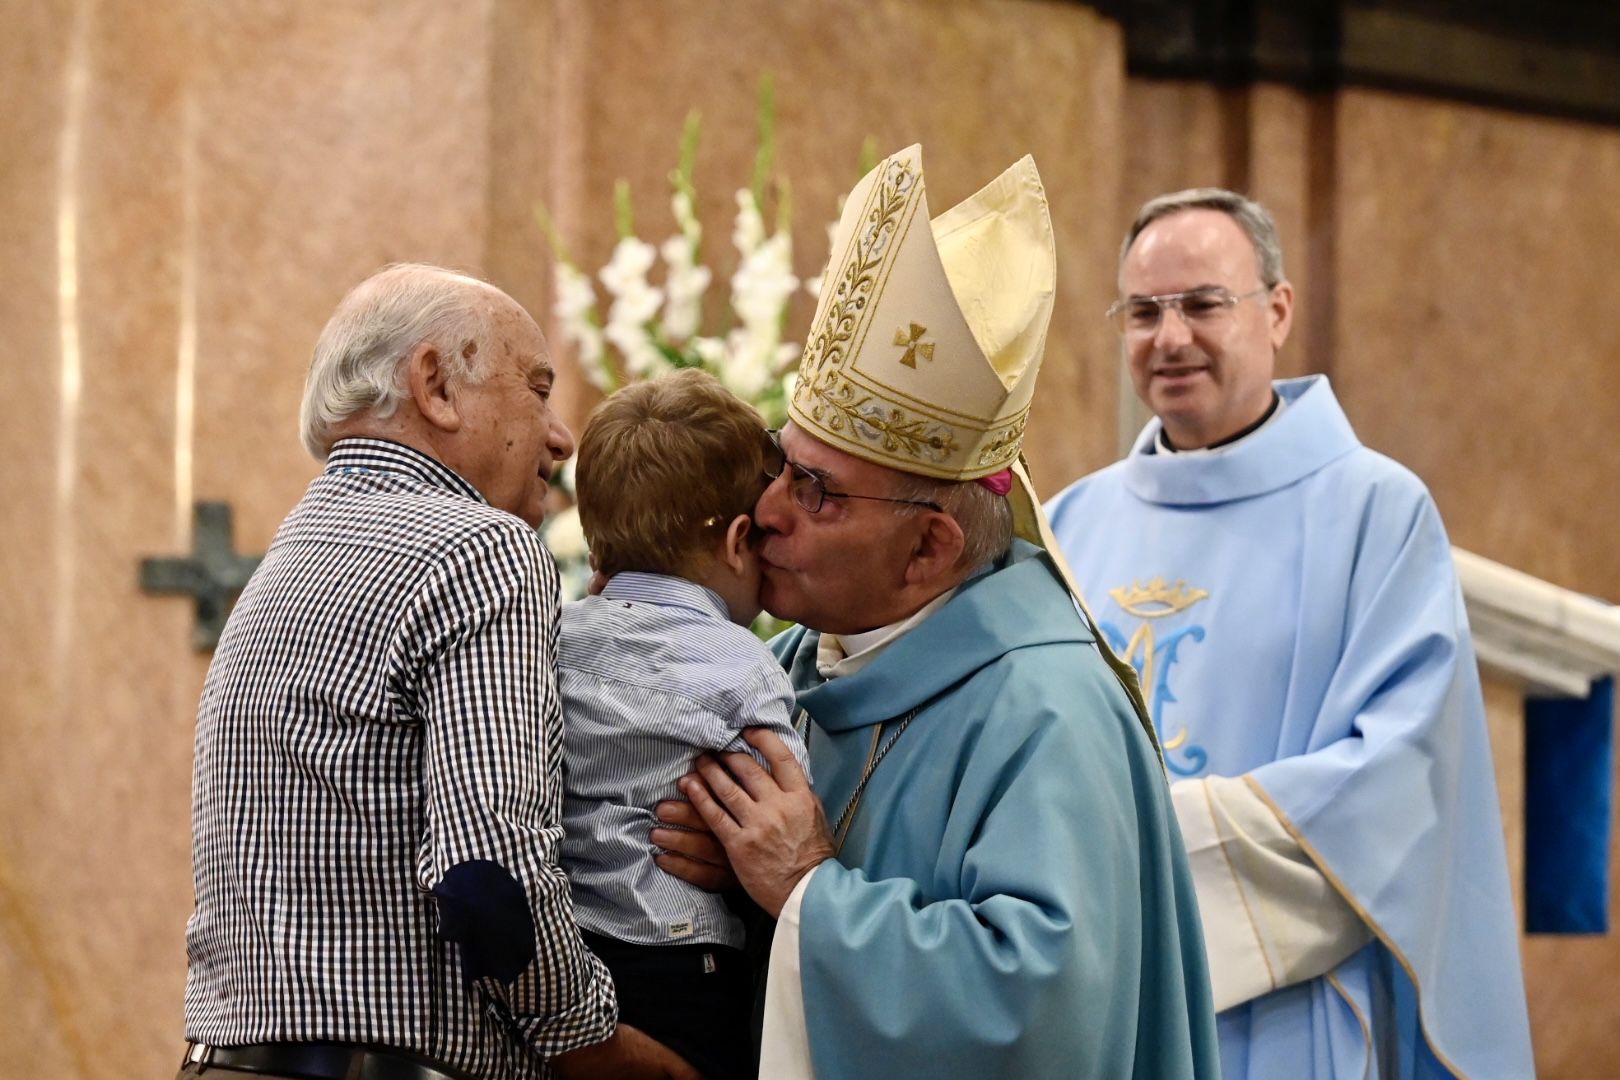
548	226
765	156
623	212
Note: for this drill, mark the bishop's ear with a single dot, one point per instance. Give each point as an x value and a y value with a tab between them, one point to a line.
431	388
938	548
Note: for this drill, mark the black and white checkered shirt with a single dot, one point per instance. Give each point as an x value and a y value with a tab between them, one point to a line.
383	707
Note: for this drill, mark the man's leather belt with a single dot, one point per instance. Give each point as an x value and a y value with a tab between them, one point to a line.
321	1061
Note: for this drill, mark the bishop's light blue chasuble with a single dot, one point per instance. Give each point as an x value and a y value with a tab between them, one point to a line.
1012	899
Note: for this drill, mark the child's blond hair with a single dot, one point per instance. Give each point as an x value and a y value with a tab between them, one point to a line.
664	466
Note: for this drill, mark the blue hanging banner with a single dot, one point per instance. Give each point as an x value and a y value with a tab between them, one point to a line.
1568	792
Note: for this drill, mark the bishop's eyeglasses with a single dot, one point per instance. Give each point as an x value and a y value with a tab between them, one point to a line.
1205	308
808	489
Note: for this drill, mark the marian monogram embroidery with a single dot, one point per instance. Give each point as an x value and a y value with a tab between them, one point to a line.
1154	660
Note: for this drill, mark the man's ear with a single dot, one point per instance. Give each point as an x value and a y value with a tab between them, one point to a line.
431	388
734	545
1281	313
939	545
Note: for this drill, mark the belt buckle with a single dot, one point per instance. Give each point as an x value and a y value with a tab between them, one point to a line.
197	1054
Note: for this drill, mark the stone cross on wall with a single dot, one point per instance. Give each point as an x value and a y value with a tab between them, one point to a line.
214	573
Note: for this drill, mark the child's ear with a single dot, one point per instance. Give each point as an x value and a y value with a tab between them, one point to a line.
734	547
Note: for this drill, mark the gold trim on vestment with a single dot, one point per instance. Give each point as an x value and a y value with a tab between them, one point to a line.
1361	912
1355	1010
1029	523
1237	882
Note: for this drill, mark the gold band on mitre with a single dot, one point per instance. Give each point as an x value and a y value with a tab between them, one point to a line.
928	338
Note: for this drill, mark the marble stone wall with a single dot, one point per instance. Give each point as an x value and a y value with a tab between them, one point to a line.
188	189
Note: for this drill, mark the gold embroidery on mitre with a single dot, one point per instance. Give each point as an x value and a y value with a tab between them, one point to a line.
1002	446
1157	599
857	278
842	408
914	345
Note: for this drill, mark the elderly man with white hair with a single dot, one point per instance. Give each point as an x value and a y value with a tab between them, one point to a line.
377	790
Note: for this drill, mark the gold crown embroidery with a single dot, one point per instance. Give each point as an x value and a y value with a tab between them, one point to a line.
1157	599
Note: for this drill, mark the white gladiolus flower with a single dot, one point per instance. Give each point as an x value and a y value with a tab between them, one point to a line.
591	349
686	217
752	359
635	304
628	267
736	358
641	356
746	368
576	300
565	536
712	351
748	232
762	284
684	285
759	293
575	308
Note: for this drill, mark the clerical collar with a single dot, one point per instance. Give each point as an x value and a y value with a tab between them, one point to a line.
838	655
1275	410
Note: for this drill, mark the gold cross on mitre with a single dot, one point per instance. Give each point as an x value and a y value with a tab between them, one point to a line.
914	345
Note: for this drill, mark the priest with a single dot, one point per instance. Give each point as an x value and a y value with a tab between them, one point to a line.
1288	598
987	879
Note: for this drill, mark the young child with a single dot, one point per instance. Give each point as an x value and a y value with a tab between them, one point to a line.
657	668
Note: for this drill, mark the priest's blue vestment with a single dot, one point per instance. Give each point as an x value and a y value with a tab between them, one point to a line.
1291	604
1012	898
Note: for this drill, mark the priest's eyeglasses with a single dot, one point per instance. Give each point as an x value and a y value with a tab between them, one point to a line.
809	491
1207	308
